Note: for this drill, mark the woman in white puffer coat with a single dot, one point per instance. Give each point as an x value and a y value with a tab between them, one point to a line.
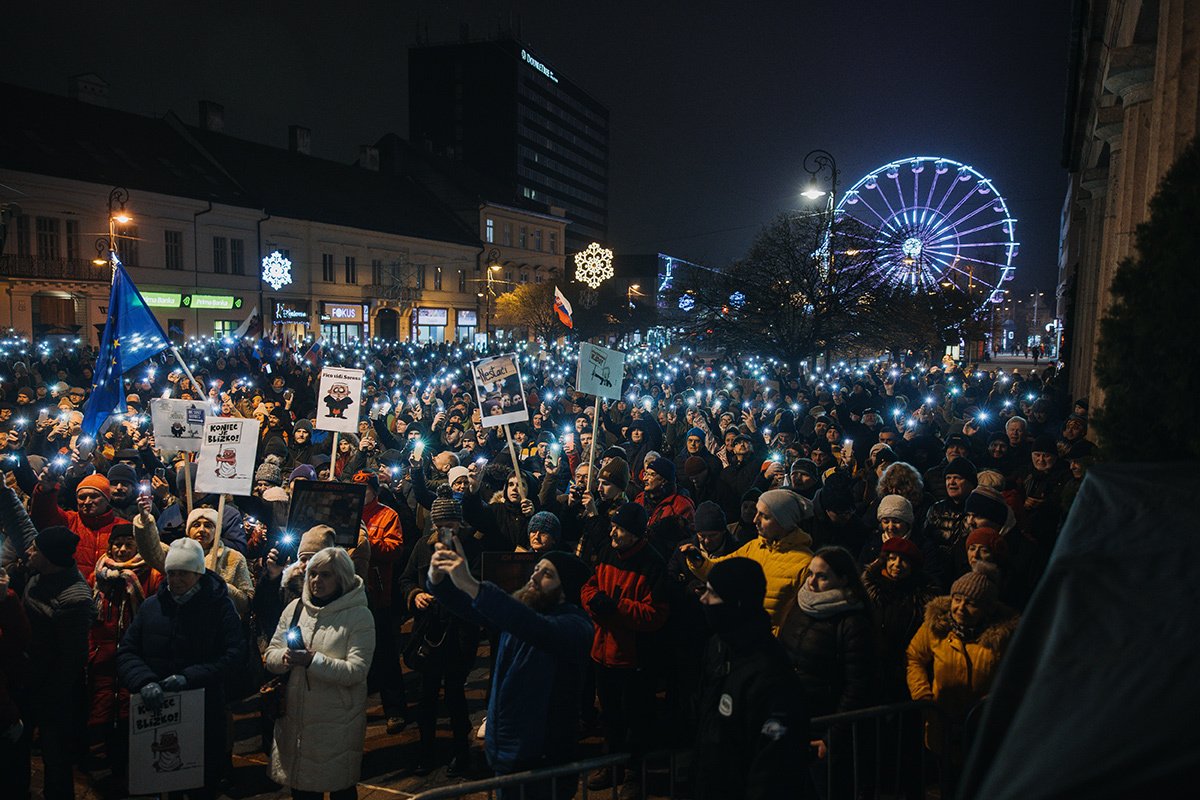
319	740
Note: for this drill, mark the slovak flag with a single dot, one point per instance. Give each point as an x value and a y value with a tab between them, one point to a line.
563	308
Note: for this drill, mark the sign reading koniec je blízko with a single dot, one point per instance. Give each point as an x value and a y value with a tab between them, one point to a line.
227	452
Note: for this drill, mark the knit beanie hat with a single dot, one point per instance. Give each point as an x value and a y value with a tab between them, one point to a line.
987	503
121	529
96	482
963	467
314	540
694	466
616	472
546	522
202	513
895	507
445	508
631	517
268	472
991	539
303	425
122	473
836	496
303	472
455	473
751	495
906	548
57	544
787	507
739	582
185	555
697	432
710	517
977	587
664	467
367	478
572	573
1044	444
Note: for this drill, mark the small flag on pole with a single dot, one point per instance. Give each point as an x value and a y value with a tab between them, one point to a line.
563	308
313	356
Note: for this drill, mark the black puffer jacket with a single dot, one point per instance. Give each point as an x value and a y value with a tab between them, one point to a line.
946	527
835	658
899	611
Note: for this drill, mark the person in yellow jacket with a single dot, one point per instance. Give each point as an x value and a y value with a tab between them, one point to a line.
956	652
782	549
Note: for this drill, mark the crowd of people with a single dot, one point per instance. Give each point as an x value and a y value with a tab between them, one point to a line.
731	549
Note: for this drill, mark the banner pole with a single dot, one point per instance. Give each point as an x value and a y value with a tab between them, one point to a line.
220	527
512	452
187	481
188	372
333	457
592	450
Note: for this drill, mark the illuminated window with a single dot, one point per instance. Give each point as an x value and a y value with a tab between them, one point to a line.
490	228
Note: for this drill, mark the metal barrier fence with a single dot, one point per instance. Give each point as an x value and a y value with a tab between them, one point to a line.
870	753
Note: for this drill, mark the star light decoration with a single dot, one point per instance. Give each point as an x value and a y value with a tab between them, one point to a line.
593	265
277	270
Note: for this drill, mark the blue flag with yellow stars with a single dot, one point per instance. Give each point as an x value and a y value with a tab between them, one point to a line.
131	335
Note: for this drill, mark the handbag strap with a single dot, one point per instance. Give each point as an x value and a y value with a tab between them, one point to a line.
296	615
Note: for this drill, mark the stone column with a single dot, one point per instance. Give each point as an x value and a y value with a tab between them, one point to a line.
1175	119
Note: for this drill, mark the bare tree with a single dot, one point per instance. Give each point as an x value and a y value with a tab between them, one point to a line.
530	306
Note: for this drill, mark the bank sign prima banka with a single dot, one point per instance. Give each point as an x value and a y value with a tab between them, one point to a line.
539	66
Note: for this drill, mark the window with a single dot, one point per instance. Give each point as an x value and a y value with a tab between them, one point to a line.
524	277
351	269
237	256
72	239
537	277
220	255
376	271
173	249
462	281
554	242
127	247
537	239
23	248
421	277
47	238
508	234
327	273
437	279
490	230
523	241
508	276
224	327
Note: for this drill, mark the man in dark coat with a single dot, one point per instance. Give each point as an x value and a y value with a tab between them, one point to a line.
187	636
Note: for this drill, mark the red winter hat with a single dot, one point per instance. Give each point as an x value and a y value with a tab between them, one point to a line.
96	482
904	547
991	539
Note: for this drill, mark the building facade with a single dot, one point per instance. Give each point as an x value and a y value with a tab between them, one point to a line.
1133	107
506	112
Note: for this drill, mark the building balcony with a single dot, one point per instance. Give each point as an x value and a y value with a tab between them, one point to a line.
53	269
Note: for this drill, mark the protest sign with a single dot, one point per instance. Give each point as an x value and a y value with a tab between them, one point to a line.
227	453
497	380
600	371
509	571
178	424
338	505
166	747
339	400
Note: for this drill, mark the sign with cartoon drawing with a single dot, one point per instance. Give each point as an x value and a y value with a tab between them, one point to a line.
498	390
166	746
339	399
227	451
600	372
178	424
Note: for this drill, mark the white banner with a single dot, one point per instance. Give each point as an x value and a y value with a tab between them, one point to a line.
339	399
498	379
600	371
226	462
178	424
166	747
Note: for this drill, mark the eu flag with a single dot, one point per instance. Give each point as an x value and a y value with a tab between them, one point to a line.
131	336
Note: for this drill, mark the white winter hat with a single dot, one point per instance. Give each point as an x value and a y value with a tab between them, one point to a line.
185	555
895	507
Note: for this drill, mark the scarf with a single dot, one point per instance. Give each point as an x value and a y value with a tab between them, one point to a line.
830	603
126	573
964	633
180	599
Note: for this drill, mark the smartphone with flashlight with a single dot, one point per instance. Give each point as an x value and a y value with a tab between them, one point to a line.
294	638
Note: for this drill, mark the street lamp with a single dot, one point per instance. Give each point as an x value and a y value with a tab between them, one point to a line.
493	257
631	292
816	163
117	214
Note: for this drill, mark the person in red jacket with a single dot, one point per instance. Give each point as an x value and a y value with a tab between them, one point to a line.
92	523
670	515
625	599
387	547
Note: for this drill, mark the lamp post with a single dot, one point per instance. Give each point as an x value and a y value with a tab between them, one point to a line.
631	292
117	199
493	257
816	163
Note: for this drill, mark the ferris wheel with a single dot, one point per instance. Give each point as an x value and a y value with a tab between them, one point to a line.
935	223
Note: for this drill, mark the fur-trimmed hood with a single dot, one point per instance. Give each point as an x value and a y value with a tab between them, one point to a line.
998	627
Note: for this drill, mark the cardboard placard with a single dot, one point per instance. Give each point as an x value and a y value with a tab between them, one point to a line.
339	400
496	378
178	424
166	747
338	505
600	371
227	453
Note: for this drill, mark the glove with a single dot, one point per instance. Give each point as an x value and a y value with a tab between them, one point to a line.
174	683
152	696
602	604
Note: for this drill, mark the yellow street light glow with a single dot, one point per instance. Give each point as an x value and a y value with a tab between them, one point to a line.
122	218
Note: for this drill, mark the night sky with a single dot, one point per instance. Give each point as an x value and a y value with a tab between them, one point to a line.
713	104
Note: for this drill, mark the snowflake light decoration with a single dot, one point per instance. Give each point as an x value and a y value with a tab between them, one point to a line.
737	299
593	265
687	302
277	270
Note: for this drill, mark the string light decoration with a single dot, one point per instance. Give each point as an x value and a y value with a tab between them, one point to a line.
277	270
593	265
